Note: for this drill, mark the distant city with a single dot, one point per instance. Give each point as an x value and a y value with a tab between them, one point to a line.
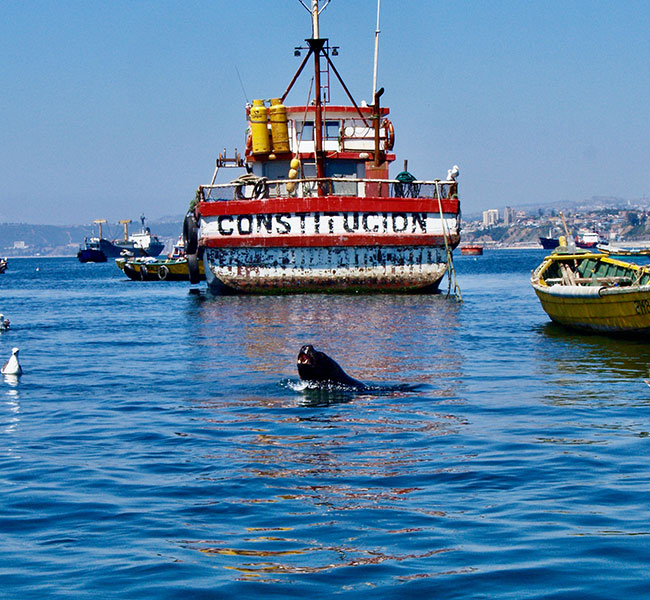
614	220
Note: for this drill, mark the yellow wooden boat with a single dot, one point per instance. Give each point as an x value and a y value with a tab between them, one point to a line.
594	292
170	269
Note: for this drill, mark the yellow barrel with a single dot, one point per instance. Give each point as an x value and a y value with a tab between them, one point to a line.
260	128
562	241
279	128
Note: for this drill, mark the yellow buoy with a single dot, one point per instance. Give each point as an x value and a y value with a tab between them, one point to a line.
260	128
279	127
294	164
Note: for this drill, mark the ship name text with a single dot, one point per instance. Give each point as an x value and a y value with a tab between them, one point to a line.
323	223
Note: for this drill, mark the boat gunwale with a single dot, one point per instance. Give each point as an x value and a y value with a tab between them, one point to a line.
326	179
371	205
557	257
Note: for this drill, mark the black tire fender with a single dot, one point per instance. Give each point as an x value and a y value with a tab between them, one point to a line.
190	233
193	268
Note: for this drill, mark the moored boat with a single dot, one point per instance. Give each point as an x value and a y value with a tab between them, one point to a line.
592	291
615	251
316	210
98	249
91	252
549	243
3	265
471	250
93	248
172	268
143	243
589	239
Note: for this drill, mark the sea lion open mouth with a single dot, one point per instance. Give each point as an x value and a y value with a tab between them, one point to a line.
317	367
305	356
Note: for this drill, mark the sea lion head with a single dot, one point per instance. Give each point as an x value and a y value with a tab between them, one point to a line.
317	366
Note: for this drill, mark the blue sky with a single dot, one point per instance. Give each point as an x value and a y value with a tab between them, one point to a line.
111	109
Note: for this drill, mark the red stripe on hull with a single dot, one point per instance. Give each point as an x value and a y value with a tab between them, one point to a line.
326	241
326	204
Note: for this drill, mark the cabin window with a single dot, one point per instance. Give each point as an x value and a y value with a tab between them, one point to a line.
276	169
331	130
344	168
306	131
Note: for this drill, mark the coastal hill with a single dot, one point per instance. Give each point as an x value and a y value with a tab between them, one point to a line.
21	239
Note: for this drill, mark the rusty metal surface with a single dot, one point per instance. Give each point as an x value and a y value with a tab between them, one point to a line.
278	270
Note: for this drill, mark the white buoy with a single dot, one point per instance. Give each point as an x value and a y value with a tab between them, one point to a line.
12	366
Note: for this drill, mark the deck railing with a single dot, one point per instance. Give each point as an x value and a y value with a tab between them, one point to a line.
251	188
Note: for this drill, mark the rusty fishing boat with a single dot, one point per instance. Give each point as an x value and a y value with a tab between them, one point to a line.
314	209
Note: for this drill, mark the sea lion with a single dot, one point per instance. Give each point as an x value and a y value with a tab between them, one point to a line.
318	367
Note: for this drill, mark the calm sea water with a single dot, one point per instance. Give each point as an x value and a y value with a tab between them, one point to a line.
158	445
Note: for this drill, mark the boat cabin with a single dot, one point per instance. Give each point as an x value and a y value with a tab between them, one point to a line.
348	141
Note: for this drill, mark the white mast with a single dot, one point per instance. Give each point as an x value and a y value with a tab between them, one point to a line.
314	18
374	78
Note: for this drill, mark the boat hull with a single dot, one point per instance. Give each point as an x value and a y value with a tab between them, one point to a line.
549	243
327	244
624	310
115	249
325	269
593	292
159	270
86	255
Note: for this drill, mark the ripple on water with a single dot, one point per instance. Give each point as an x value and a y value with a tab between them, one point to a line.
160	444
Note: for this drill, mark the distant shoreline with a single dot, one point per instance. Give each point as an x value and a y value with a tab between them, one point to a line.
485	245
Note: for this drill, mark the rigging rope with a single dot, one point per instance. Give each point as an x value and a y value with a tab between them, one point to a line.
450	263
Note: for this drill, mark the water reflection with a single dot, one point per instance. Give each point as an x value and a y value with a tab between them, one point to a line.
13	381
326	558
350	469
374	338
599	369
334	462
11	419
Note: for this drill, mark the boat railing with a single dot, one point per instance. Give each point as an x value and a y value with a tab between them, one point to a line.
262	188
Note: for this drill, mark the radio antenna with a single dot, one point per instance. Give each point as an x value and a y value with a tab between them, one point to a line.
242	84
377	31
